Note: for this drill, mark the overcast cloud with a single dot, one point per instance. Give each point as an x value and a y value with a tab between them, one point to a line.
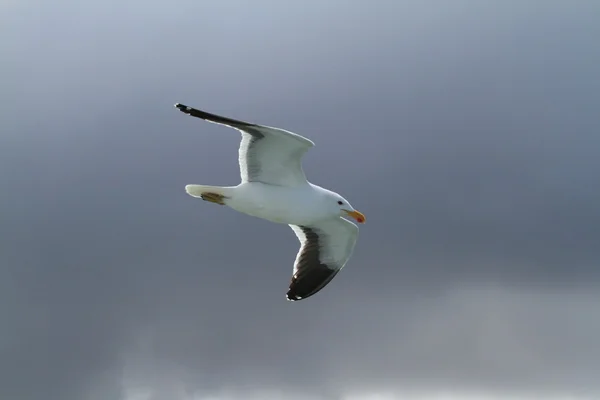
466	131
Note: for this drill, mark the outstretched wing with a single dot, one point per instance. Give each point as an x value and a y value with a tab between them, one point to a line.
268	155
324	250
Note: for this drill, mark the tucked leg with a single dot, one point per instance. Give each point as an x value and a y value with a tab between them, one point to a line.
213	198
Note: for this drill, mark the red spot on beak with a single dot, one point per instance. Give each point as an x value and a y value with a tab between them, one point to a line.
357	215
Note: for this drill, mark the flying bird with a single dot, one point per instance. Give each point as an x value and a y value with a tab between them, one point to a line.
274	187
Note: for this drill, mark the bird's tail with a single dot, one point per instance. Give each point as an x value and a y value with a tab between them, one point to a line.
214	194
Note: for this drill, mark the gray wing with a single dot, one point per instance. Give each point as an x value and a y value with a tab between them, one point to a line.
325	248
268	155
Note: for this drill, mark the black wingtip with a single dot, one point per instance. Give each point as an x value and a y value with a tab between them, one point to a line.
308	282
290	298
182	107
210	117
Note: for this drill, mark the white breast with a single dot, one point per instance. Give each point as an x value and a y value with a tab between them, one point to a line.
280	204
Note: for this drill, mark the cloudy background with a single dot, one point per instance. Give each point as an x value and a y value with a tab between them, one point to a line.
466	131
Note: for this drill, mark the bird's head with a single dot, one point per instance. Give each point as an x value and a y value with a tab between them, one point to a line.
344	209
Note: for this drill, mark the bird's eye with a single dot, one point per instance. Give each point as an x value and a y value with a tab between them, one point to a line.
340	202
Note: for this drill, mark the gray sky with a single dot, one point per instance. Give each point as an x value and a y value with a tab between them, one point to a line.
466	131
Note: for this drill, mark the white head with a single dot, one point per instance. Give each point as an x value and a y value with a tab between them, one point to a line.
342	207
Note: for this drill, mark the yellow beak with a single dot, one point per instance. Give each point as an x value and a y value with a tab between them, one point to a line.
357	215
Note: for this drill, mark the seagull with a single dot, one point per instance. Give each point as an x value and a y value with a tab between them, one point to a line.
274	187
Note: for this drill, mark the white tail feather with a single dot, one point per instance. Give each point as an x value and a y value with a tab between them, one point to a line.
197	190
